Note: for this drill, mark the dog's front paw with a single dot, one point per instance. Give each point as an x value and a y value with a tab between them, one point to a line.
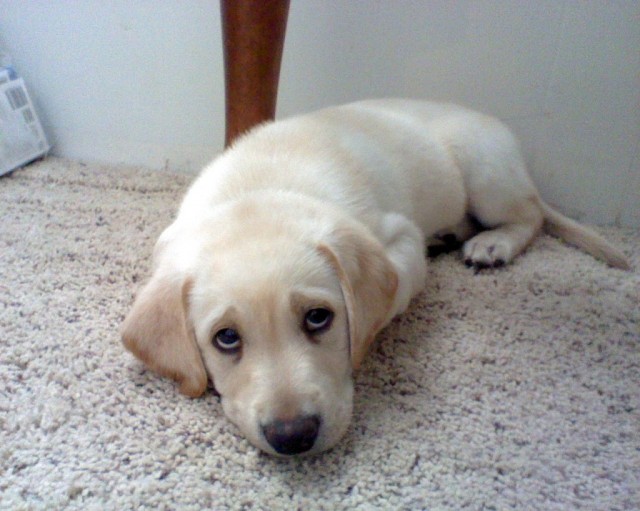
488	249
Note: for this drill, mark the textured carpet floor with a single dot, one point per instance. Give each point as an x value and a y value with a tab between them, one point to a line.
517	388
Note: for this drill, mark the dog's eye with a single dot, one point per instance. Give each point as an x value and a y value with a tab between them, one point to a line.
317	320
227	340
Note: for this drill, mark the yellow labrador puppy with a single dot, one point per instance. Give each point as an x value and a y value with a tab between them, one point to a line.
299	243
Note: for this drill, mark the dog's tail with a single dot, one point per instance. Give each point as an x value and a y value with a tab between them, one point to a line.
556	224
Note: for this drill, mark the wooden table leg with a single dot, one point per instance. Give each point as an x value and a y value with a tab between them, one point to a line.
253	36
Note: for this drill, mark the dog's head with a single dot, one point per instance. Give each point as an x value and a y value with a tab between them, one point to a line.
276	302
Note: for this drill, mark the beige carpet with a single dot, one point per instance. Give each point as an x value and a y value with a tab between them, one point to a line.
518	388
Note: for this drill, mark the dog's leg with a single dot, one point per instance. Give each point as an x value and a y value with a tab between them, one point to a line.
500	193
405	247
511	227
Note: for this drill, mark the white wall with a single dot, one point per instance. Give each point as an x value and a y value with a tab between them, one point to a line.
141	81
122	80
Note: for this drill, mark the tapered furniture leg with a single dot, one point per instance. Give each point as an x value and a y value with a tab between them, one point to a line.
253	34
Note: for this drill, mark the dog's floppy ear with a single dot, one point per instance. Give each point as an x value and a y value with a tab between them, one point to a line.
368	281
157	331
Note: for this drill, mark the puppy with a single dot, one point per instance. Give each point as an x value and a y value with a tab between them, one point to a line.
299	243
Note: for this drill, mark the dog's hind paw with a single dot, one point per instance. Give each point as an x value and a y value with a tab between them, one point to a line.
487	250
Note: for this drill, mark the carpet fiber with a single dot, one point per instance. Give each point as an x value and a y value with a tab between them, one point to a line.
517	388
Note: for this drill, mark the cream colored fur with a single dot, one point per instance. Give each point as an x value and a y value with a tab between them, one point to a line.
329	210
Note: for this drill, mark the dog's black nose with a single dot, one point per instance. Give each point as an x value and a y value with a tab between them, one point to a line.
292	436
